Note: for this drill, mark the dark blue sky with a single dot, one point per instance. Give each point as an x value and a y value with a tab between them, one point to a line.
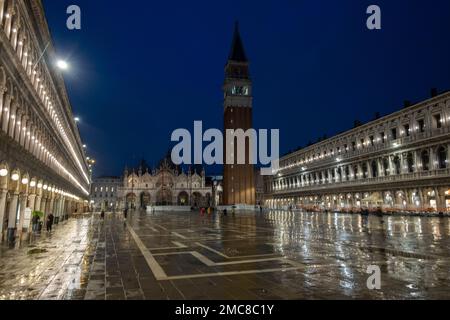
141	69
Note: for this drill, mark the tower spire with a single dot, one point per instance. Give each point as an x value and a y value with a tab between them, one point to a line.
237	52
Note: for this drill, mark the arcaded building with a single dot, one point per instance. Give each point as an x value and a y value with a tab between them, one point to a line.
398	162
42	163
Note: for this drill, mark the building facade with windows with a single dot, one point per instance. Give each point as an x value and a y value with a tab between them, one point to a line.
42	162
397	162
104	193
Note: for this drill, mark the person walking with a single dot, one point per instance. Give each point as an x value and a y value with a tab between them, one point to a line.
50	220
35	222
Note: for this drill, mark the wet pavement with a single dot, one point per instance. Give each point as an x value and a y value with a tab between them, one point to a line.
276	255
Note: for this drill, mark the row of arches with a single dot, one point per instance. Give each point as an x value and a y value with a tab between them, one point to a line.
165	197
413	124
19	190
418	199
436	158
18	119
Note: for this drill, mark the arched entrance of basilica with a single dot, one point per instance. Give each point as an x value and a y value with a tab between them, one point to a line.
145	200
131	201
164	197
183	199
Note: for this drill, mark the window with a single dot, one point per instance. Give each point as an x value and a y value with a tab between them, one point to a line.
386	166
364	171
410	161
406	127
240	91
438	121
425	160
394	134
362	143
421	124
442	158
383	137
372	141
353	145
397	164
374	169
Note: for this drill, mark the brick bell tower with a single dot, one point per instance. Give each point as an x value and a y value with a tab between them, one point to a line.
239	184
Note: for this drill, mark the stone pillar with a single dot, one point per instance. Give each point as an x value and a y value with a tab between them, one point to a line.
360	171
440	199
380	167
369	170
23	204
3	193
31	204
12	121
432	159
2	91
421	198
13	211
6	113
391	166
352	173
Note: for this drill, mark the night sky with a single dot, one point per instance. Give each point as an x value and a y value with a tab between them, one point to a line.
141	69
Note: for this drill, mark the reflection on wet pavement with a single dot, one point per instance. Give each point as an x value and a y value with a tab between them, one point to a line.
278	255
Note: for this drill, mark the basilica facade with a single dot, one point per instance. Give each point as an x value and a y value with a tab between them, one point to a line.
166	186
399	162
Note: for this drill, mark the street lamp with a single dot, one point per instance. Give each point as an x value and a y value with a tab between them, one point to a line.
76	119
61	64
3	172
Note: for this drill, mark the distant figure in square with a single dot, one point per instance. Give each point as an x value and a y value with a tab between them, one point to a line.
50	220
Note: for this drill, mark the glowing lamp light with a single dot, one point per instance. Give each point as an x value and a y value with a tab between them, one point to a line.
45	187
39	185
15	177
33	184
3	172
25	181
61	64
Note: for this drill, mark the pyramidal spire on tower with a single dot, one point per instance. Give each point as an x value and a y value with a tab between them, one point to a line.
237	52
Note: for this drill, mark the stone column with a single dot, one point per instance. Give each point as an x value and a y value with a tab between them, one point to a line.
13	211
6	113
369	169
12	121
421	198
23	204
31	204
432	160
2	91
380	167
391	166
360	171
3	193
352	173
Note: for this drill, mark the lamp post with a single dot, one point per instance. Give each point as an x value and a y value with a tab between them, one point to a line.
61	64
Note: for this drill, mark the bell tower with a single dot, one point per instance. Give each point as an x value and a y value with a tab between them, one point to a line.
239	185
